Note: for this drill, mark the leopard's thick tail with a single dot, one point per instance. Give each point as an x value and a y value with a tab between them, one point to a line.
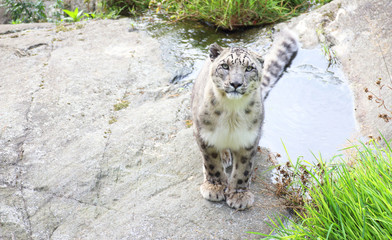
282	53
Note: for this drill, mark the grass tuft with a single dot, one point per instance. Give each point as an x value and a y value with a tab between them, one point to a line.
234	14
341	201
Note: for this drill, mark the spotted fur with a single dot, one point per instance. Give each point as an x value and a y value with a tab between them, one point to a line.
228	113
278	59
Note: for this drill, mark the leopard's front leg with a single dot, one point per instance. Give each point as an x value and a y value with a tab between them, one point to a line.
237	194
215	179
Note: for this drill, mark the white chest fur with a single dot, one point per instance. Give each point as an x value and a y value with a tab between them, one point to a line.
233	129
224	135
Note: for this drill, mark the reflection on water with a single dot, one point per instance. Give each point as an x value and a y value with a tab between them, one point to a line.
310	109
185	44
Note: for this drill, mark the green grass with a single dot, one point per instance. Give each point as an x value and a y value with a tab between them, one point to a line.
24	11
224	14
233	14
345	202
125	7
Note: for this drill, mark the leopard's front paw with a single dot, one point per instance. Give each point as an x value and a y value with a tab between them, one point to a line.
240	200
212	192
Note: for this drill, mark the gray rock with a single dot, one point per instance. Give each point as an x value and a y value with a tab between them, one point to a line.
94	141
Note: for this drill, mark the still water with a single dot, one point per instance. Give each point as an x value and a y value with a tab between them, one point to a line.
310	110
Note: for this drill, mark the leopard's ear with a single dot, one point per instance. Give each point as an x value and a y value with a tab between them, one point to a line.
215	51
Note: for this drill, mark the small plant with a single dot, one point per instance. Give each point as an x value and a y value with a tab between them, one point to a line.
380	100
74	16
341	201
125	7
328	52
17	21
121	105
113	14
188	123
90	15
383	85
24	11
112	120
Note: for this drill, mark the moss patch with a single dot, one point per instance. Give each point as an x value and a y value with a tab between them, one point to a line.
121	105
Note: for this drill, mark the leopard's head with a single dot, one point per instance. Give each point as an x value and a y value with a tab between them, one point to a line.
236	72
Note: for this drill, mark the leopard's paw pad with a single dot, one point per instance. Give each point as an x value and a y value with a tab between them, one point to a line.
240	200
212	192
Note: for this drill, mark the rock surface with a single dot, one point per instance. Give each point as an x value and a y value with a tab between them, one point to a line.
360	34
94	142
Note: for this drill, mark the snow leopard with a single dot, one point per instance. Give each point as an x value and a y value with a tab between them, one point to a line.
228	114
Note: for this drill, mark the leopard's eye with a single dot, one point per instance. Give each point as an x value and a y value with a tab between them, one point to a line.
225	66
249	68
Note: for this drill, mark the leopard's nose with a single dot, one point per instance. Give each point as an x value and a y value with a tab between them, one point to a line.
236	84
